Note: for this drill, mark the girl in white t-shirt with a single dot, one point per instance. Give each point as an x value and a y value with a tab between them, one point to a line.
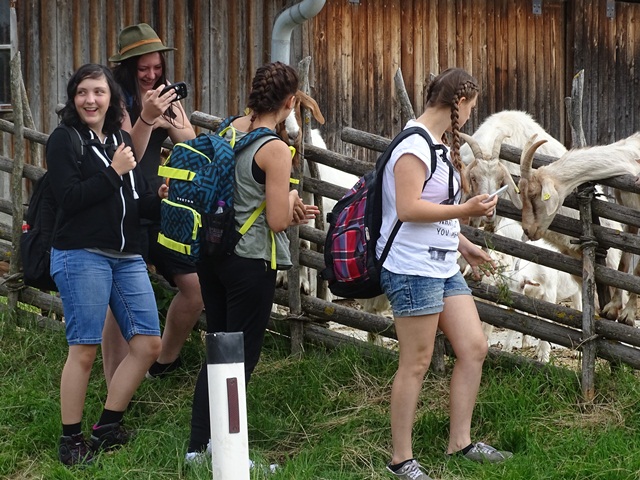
420	274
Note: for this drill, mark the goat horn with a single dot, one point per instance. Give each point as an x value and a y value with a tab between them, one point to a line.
475	148
526	158
497	144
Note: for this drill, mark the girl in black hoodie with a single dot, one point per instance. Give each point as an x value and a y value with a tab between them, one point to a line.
95	259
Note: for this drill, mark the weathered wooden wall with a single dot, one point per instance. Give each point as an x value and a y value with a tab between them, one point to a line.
522	60
518	58
608	50
219	45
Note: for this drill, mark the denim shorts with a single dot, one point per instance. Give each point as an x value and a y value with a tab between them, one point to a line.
89	282
413	295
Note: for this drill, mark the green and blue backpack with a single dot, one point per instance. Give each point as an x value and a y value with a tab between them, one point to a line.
201	177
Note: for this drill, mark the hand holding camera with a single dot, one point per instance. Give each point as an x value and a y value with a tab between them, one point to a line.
180	88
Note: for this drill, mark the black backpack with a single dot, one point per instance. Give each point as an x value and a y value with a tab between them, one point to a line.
351	266
41	221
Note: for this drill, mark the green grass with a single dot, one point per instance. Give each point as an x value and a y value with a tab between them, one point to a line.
325	416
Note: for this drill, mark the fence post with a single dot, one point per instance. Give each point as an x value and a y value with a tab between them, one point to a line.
16	176
589	244
293	275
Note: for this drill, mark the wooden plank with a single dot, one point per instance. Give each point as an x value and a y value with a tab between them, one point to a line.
468	20
432	46
512	54
447	35
633	52
129	13
345	98
361	68
48	73
582	61
394	49
522	38
591	77
502	59
319	51
378	93
559	119
547	65
64	48
491	56
99	50
235	80
218	67
29	40
529	52
80	34
334	40
365	120
479	51
410	31
416	84
200	91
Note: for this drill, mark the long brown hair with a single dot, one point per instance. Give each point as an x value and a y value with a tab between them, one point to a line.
446	90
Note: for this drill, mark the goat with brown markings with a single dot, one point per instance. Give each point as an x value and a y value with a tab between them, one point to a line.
544	190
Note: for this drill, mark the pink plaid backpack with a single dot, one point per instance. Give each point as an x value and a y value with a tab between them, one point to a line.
351	266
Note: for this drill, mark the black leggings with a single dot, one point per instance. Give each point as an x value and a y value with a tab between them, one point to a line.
238	295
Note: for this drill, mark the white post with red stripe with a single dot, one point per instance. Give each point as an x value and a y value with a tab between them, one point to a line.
227	406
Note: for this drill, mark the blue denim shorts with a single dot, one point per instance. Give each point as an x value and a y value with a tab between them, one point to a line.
89	282
412	295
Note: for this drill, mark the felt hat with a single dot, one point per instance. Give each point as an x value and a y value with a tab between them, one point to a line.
137	40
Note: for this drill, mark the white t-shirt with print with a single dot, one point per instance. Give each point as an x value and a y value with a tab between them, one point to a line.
424	249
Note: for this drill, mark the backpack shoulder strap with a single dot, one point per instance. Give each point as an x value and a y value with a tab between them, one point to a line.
253	135
382	162
79	143
225	123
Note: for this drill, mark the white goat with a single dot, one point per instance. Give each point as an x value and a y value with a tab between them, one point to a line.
543	191
484	170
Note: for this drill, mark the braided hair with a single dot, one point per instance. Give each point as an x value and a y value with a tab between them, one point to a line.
272	85
446	90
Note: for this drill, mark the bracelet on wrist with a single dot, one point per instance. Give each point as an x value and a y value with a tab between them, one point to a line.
145	122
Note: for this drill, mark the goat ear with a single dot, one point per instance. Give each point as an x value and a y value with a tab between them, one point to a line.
307	102
550	197
512	191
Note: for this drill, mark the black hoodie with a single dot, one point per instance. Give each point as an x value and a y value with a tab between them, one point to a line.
99	207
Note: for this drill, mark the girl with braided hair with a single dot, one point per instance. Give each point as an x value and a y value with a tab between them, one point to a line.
420	275
238	289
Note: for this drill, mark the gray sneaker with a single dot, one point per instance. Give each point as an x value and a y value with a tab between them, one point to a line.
481	452
410	471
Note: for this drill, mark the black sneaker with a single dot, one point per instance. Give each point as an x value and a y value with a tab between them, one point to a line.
109	437
74	450
161	370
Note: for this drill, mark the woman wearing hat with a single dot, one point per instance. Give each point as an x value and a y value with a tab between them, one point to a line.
150	118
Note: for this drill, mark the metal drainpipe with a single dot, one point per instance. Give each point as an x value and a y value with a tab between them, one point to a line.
286	22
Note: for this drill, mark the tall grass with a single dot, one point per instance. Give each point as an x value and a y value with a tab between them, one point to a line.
324	416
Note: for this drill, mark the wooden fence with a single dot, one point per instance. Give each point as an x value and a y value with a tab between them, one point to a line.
555	323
